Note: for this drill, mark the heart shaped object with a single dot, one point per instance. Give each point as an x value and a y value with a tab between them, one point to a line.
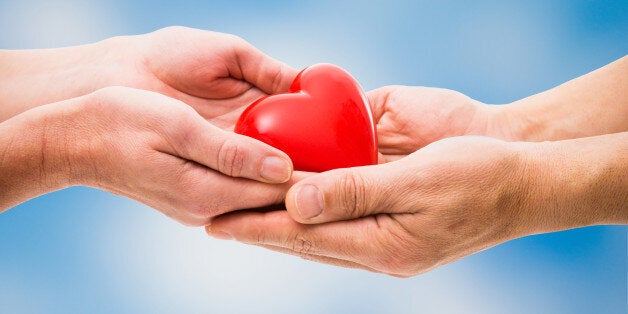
324	122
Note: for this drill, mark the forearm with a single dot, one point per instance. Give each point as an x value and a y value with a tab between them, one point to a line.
575	183
593	104
32	161
30	78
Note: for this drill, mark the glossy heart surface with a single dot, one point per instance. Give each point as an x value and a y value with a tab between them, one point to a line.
324	122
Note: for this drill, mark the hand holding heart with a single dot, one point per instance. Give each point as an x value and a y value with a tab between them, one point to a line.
397	217
441	194
437	194
401	218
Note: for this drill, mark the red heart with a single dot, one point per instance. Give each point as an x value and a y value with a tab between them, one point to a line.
324	122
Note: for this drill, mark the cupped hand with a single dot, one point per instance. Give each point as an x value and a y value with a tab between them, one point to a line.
409	118
148	147
216	73
450	199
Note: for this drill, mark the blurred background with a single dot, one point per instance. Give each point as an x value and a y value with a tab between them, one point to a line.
82	250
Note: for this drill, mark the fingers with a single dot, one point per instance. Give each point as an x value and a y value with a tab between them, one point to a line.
161	152
341	240
319	259
238	156
184	133
214	65
229	153
257	68
192	194
373	244
378	99
348	193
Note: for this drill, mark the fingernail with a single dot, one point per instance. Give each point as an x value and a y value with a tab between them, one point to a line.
276	169
221	235
309	201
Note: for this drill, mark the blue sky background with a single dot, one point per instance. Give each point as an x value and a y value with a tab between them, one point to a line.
86	251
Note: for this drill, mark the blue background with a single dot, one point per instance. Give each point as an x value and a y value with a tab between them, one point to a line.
81	250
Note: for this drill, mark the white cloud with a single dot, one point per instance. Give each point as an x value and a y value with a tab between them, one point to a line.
158	263
176	267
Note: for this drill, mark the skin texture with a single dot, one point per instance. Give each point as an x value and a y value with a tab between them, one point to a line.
445	189
63	126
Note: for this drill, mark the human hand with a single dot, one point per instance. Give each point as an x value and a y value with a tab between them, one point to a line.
215	73
409	118
450	199
141	145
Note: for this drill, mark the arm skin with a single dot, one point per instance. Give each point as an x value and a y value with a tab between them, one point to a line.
593	104
36	77
445	192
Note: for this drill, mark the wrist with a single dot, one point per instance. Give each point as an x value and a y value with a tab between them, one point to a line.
574	183
518	121
33	160
71	150
57	74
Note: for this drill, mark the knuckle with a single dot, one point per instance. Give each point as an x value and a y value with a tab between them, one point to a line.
231	158
106	99
277	78
383	92
260	238
302	246
352	191
182	130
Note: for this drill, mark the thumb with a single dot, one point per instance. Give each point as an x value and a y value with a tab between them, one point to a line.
347	193
233	154
190	137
